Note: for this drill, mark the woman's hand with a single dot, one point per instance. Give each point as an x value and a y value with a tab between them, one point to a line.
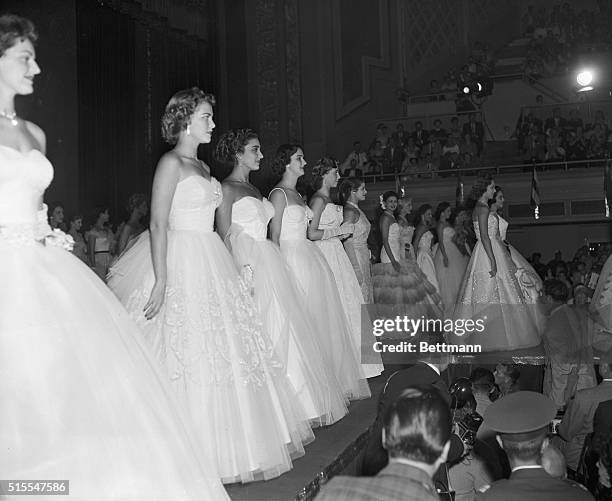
156	300
493	271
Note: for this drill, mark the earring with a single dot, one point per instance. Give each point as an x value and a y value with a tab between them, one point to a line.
188	130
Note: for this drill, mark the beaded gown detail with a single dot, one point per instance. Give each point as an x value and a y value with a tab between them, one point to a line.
451	276
509	320
208	337
83	398
322	300
279	303
359	243
346	281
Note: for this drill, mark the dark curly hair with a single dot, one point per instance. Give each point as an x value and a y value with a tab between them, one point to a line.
232	143
442	206
282	158
134	201
420	212
347	186
179	110
480	186
321	168
492	200
14	29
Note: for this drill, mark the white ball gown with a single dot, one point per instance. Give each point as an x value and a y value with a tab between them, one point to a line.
281	308
321	299
82	397
508	319
346	281
358	242
208	337
425	258
451	276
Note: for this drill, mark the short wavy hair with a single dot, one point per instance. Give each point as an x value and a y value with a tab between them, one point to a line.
480	186
179	111
347	186
134	201
491	201
320	169
417	425
282	158
232	143
14	29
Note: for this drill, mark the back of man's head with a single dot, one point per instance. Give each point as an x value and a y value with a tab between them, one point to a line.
557	290
524	448
417	426
482	380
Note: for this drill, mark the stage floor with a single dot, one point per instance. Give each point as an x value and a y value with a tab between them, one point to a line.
329	443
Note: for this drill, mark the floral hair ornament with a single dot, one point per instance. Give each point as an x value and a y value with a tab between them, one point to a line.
382	202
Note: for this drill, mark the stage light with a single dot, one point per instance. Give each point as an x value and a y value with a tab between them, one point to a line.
473	88
584	78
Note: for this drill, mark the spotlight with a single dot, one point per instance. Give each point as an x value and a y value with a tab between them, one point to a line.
479	88
473	88
584	78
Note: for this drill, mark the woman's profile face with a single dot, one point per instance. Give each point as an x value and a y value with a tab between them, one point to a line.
202	125
332	177
297	162
18	68
77	224
58	214
361	192
428	216
252	154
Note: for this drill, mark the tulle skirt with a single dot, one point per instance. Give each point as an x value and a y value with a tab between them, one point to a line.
509	320
290	327
321	299
82	398
221	365
450	277
425	262
350	296
363	258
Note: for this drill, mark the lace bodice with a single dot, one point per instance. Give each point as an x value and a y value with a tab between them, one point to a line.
425	243
194	204
492	226
23	180
253	216
394	242
331	217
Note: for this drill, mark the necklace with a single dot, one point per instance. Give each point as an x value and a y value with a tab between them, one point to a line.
11	116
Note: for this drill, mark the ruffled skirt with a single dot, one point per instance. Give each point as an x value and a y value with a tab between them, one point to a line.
221	365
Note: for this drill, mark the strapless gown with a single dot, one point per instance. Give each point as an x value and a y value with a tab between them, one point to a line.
508	319
321	299
208	337
346	281
425	259
450	277
280	305
82	397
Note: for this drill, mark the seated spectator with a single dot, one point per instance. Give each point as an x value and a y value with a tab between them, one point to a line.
450	155
506	379
467	145
356	163
574	121
476	131
555	122
521	421
534	146
575	148
567	344
410	170
400	135
394	157
420	136
577	421
418	416
554	148
538	266
455	133
377	158
438	133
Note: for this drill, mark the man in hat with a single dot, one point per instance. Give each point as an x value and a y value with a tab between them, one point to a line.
521	422
416	434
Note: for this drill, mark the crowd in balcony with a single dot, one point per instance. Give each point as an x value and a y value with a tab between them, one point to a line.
558	138
420	152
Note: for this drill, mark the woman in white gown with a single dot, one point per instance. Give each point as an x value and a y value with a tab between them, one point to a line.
406	228
181	285
242	221
490	291
423	243
529	280
449	261
326	215
319	292
82	397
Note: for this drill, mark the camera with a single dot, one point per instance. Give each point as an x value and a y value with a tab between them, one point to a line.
467	427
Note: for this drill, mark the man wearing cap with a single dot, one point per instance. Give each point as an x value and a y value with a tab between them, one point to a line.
521	421
416	434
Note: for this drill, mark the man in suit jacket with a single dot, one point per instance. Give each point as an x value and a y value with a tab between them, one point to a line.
476	131
420	415
602	422
521	420
577	422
